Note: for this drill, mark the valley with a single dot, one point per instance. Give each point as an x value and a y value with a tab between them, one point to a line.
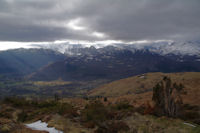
99	66
98	91
119	106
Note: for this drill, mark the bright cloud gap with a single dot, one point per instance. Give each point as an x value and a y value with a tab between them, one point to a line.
5	45
75	25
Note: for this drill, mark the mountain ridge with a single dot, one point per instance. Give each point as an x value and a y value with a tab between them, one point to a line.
26	61
160	47
114	64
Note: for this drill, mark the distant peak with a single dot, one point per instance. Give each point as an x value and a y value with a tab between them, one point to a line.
163	48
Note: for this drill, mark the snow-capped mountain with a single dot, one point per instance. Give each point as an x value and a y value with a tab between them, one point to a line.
113	63
82	62
162	48
178	48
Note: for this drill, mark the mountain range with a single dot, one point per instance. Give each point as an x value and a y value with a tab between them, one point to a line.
113	63
161	47
80	63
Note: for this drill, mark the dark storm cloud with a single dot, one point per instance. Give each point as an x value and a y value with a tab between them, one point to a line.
127	20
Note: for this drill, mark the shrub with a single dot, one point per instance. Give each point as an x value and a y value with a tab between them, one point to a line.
94	112
6	115
105	99
124	105
47	104
112	127
67	109
22	116
17	101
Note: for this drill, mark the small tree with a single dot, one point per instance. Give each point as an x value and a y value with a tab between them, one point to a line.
167	97
105	99
56	97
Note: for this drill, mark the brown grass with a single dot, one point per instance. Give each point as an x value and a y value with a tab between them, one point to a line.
137	89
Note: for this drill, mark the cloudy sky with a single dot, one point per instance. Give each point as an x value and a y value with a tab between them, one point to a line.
98	20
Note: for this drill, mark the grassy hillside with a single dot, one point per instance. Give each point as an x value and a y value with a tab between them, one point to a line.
139	88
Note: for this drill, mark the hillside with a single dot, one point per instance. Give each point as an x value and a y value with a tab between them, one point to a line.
93	117
139	88
26	61
112	64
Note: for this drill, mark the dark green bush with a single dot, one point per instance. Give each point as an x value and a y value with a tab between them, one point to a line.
123	106
47	104
105	99
66	109
112	127
190	113
6	115
17	101
95	112
22	117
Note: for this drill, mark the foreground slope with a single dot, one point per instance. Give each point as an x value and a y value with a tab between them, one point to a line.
94	117
139	88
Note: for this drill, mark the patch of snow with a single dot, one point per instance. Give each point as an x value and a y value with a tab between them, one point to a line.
189	124
42	126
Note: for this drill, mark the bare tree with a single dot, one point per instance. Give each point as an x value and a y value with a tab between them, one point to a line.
167	97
